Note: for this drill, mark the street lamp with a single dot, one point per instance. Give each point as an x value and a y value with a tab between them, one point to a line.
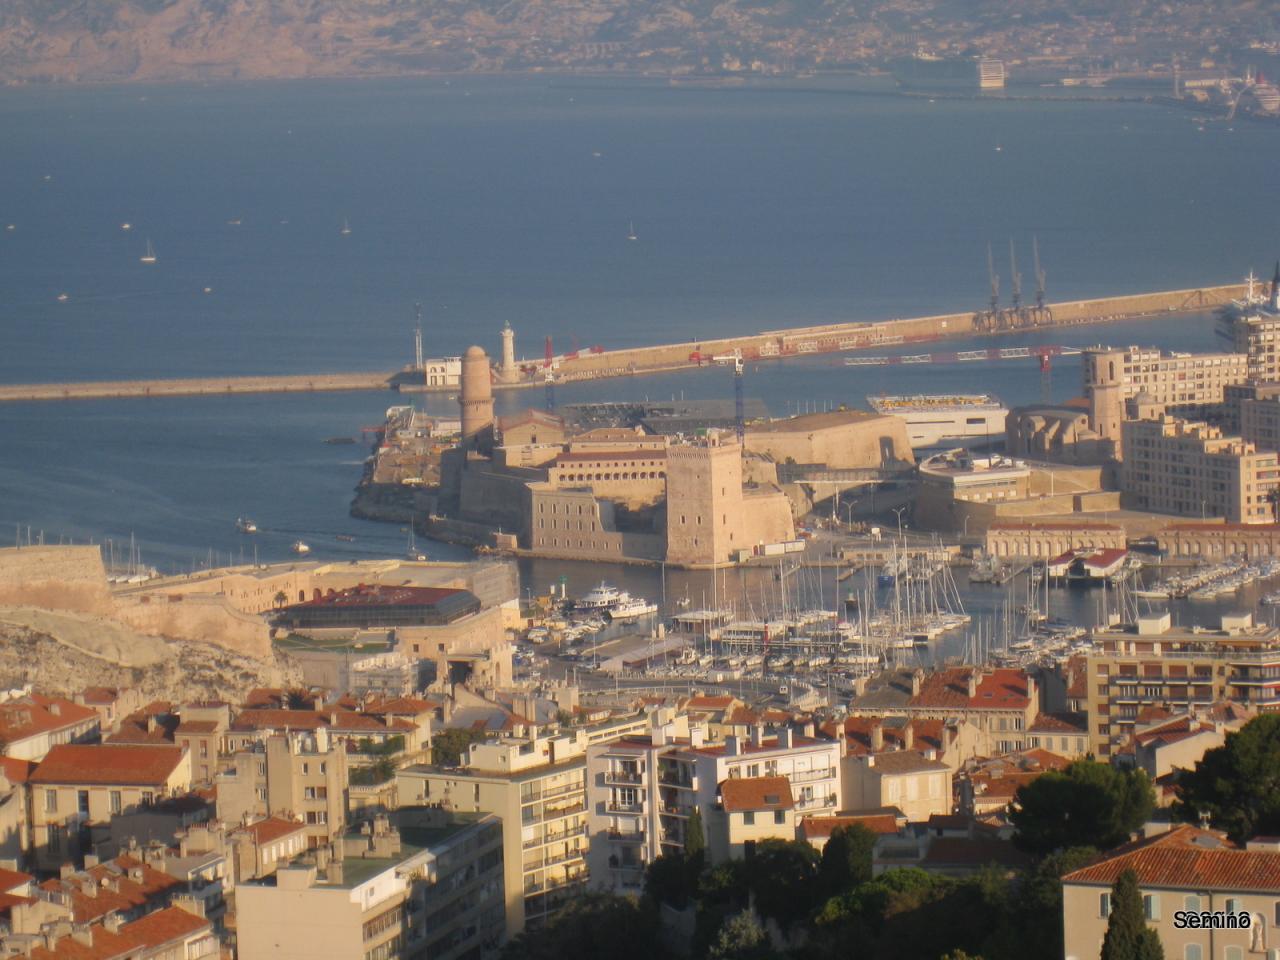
899	511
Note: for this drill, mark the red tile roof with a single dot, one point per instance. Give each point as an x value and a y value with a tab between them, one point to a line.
35	714
12	879
816	827
756	793
70	763
1001	689
164	926
1186	858
101	695
858	733
273	828
120	885
639	454
1059	723
15	770
197	727
973	852
338	720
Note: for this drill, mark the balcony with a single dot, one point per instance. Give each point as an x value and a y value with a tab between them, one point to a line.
626	778
677	809
617	806
553	792
562	812
552	838
676	778
809	776
627	836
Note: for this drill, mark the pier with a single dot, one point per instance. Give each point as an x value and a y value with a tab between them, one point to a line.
694	353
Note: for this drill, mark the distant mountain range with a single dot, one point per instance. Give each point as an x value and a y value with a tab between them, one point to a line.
96	40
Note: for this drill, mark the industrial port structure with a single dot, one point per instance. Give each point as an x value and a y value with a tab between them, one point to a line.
602	364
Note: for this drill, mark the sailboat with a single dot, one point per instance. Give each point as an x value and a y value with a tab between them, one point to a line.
413	553
346	228
631	230
150	255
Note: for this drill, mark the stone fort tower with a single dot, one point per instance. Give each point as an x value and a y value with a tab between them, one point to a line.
704	501
476	395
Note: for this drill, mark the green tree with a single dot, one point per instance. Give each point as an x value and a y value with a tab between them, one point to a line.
742	938
846	859
695	838
666	880
783	875
1089	804
1128	937
591	925
1237	784
448	746
1034	930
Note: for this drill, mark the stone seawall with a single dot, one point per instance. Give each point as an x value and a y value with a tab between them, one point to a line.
794	341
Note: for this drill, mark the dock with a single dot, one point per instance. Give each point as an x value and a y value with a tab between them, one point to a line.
633	361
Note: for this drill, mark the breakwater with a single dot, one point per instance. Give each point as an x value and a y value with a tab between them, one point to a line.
772	344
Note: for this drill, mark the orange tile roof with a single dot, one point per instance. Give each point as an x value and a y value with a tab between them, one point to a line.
71	763
815	827
101	695
1001	689
15	770
1059	723
120	885
340	720
164	926
756	793
1186	858
197	727
35	714
974	851
273	828
858	732
11	879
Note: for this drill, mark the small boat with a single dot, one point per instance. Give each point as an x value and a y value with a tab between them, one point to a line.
413	553
341	440
631	608
245	525
63	298
233	222
126	226
346	228
300	548
600	598
344	537
150	255
631	231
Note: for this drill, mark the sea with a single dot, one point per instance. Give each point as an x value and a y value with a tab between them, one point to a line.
509	200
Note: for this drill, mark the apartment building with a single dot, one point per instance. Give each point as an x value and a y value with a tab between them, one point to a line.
537	786
1184	869
751	809
1001	703
430	886
642	789
170	934
77	785
33	724
297	776
1191	469
1186	385
914	781
1151	663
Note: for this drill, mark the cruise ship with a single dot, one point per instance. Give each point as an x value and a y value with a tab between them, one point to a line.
944	421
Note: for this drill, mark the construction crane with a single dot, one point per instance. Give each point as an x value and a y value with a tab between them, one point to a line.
1042	314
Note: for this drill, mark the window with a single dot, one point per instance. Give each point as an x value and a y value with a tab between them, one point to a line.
55	838
1233	905
1192	951
1151	906
1233	953
50	801
1104	904
1192	903
115	801
82	802
749	818
779	816
148	797
753	770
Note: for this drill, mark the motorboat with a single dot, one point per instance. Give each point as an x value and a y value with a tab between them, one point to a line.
300	548
245	525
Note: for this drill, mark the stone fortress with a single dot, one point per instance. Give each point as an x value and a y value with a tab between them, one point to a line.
695	499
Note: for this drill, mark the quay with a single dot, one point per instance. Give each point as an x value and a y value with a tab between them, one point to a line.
632	361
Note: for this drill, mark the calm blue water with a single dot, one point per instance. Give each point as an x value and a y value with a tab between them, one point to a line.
509	200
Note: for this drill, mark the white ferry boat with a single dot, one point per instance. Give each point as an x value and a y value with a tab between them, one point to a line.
631	608
946	420
300	548
600	598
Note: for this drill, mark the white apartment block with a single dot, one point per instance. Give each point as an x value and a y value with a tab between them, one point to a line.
642	789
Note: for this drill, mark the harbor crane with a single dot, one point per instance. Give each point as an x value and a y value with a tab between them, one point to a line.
991	318
1018	314
1040	313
